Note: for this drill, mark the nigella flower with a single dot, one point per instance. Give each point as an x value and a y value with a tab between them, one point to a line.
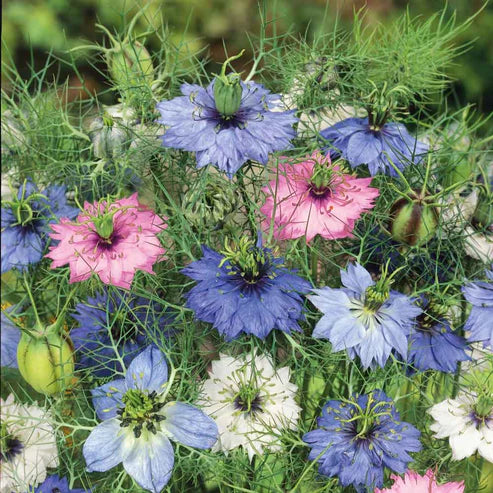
115	321
433	343
365	318
245	289
138	423
315	197
480	321
9	339
360	142
111	240
227	123
56	484
251	402
25	223
28	445
467	421
415	483
357	439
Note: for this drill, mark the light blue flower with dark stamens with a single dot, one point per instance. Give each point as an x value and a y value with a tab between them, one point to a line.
138	424
365	318
358	142
480	321
253	132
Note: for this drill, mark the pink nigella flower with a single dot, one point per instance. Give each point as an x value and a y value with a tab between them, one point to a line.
414	483
315	197
112	240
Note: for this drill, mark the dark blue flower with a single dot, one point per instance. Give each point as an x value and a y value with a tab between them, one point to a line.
116	320
138	423
245	290
359	143
255	130
55	484
364	317
25	223
9	340
433	343
480	321
357	439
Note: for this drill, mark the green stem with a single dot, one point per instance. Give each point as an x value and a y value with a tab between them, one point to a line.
28	290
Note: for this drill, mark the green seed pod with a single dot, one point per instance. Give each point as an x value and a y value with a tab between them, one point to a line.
46	361
110	139
227	95
130	65
413	222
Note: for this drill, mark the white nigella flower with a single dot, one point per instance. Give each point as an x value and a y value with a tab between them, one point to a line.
468	423
28	445
251	402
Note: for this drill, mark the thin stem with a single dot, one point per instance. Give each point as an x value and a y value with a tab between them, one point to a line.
28	290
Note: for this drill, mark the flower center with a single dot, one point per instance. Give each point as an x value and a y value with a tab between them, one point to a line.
431	317
482	411
141	411
9	445
250	262
248	400
375	296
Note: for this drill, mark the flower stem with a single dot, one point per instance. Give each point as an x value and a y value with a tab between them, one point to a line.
31	299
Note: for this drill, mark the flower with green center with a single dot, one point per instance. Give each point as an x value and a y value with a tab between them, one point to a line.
365	317
251	401
138	423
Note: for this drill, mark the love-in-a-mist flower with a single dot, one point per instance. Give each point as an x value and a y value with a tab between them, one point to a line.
467	421
227	123
28	445
433	343
138	423
359	141
315	197
480	321
113	327
251	402
111	240
365	317
245	289
412	482
56	484
25	223
358	438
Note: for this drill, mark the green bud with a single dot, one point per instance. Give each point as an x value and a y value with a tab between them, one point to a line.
104	226
130	64
227	95
484	406
46	360
413	222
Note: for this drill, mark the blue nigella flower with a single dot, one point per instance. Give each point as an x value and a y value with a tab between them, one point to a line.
55	484
25	223
364	317
357	439
247	290
138	423
9	340
254	130
433	343
358	142
480	321
116	319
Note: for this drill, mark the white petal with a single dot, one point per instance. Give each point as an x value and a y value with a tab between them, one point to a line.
465	443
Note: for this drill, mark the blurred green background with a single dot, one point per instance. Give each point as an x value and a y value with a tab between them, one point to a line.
33	28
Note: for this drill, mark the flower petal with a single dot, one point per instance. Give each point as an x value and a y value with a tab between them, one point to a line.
148	371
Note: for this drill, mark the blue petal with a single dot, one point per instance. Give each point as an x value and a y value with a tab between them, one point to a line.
148	371
107	446
363	147
356	278
189	425
108	398
151	462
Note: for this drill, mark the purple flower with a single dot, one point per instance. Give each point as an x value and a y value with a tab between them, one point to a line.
480	321
194	124
357	439
138	423
433	343
116	320
359	143
245	290
364	317
56	484
25	223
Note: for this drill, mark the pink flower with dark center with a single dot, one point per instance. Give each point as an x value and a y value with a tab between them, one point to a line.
111	240
315	197
414	483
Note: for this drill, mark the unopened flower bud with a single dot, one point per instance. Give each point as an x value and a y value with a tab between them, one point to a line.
130	64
